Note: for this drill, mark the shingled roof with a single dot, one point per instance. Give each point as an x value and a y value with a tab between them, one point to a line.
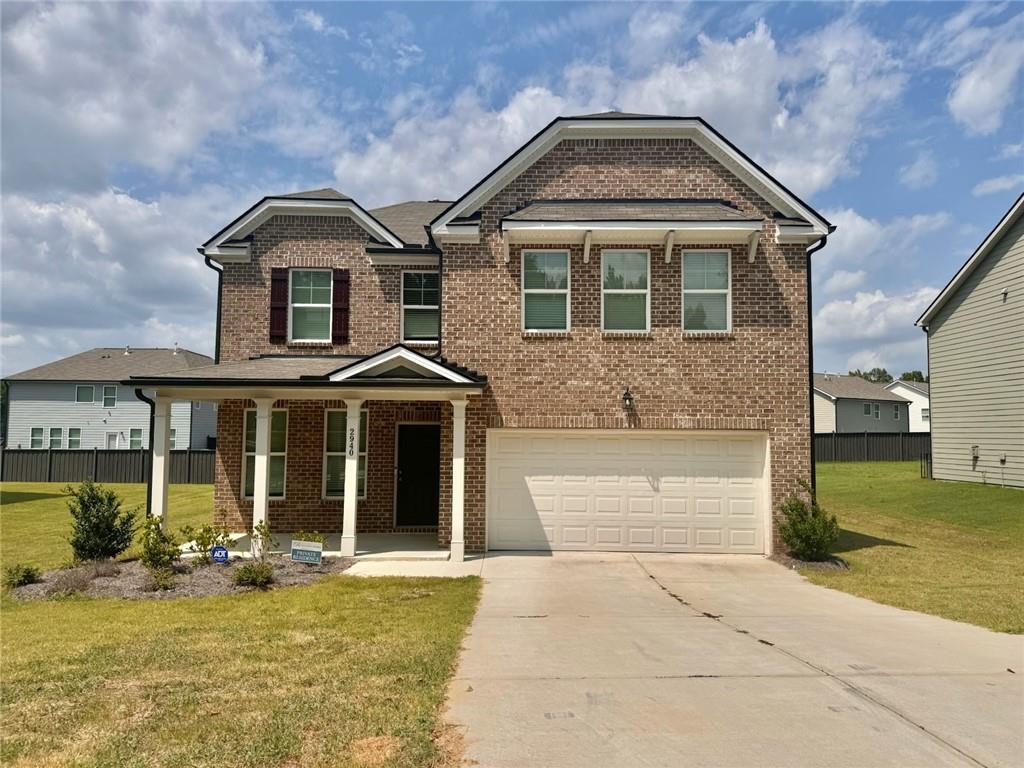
115	364
853	388
410	220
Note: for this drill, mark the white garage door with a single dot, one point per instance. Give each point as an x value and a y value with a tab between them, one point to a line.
629	491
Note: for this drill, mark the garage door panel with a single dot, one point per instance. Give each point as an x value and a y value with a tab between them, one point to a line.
649	492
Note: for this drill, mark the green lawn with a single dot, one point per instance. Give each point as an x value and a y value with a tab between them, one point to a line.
949	549
34	519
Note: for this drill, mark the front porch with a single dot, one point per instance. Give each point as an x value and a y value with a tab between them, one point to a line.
370	455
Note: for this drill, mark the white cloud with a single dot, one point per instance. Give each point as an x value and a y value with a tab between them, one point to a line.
317	23
1011	150
921	173
387	46
860	241
842	281
998	184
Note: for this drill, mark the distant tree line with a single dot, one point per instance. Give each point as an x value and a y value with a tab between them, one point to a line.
882	376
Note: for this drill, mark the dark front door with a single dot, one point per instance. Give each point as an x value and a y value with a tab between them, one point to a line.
419	474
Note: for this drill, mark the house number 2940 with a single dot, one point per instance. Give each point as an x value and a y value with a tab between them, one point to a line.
351	441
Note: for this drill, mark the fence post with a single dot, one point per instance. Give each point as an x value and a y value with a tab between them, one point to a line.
95	463
49	465
142	466
902	456
865	446
188	465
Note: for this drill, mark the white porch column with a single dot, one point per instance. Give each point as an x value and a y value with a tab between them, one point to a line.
261	475
458	545
348	522
161	466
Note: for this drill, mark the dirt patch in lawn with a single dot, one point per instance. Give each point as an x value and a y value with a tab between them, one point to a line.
832	564
130	580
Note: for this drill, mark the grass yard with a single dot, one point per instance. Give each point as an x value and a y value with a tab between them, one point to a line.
345	672
34	518
950	549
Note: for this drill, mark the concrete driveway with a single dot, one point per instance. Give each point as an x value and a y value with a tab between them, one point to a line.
690	660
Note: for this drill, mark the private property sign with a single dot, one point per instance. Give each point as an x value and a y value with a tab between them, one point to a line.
307	552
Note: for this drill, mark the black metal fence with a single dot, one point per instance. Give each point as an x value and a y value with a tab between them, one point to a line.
871	446
101	465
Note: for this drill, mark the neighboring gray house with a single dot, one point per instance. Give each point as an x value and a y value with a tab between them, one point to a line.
853	404
975	333
920	406
78	402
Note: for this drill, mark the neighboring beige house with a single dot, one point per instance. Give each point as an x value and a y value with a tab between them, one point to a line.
975	333
920	406
852	404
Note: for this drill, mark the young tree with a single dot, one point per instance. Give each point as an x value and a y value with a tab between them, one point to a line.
914	376
876	375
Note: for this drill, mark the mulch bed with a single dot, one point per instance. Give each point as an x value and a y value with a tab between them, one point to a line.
130	579
834	563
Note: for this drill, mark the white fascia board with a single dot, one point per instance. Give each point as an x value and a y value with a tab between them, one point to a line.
229	254
825	394
458	233
798	233
400	355
971	264
300	207
744	227
632	128
399	259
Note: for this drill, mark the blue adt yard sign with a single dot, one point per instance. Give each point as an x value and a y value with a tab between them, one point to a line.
307	552
219	554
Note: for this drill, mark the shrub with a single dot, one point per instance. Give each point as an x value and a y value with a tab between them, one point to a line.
254	574
100	529
261	541
319	538
104	568
203	539
160	580
70	582
19	575
159	549
808	530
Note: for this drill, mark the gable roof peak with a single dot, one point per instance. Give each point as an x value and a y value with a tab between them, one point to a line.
326	193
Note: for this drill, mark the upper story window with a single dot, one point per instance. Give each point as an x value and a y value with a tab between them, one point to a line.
625	291
706	291
109	395
872	409
84	393
309	307
421	313
546	291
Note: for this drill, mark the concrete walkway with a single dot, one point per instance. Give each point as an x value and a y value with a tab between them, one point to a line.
676	660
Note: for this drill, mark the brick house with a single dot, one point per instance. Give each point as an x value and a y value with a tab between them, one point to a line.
604	344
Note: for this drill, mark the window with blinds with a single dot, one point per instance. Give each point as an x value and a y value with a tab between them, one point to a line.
310	305
546	291
334	454
706	289
625	291
421	302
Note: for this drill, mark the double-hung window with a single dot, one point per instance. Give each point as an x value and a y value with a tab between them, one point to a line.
625	291
278	452
334	454
37	437
926	414
74	438
109	395
896	411
135	439
309	307
421	307
56	437
706	301
173	436
84	393
871	409
546	291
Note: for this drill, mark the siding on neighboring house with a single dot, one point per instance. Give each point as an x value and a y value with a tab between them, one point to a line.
976	365
49	404
204	424
824	413
850	416
918	402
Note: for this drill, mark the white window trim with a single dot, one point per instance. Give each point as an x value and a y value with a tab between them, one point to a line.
103	393
403	306
117	440
92	397
896	411
727	291
646	292
523	290
141	439
246	454
60	437
329	305
926	414
364	418
42	439
172	434
79	430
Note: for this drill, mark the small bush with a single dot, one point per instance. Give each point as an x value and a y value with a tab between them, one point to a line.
159	549
254	574
100	529
808	530
19	575
70	582
203	539
104	568
319	538
261	541
160	580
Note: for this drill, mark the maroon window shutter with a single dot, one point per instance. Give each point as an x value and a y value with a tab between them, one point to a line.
339	317
278	305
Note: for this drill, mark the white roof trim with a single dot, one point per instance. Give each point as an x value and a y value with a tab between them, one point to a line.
400	356
292	207
626	127
1004	225
402	259
746	227
823	393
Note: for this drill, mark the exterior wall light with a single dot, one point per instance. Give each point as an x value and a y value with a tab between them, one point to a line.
627	399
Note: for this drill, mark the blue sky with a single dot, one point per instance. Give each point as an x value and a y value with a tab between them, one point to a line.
131	132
